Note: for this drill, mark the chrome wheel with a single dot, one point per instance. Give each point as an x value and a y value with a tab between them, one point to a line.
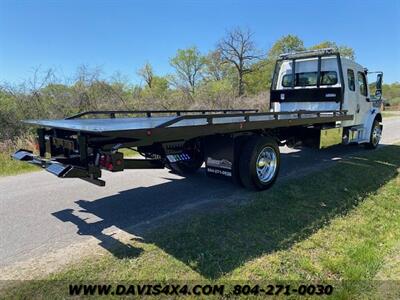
376	135
266	164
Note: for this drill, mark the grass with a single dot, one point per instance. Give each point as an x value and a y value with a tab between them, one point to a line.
129	152
390	114
340	225
9	166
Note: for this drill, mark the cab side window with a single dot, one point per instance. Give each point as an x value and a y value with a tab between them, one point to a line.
362	83
351	80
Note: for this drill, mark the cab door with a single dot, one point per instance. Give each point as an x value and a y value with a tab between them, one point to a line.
363	101
351	103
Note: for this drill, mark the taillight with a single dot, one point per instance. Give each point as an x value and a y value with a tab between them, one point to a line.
102	160
112	162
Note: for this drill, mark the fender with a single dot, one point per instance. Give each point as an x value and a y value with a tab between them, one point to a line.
371	116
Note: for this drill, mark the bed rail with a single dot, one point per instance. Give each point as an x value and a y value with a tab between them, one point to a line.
149	113
246	115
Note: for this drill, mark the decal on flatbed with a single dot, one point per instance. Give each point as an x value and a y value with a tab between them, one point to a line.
330	95
219	172
219	163
222	167
178	157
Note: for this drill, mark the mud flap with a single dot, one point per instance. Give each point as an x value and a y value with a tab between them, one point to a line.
221	157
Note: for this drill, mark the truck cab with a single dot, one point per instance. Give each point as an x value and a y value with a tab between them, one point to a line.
322	80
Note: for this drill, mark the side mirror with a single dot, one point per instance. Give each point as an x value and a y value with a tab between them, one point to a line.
378	84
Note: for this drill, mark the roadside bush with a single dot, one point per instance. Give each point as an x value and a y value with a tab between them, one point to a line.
50	100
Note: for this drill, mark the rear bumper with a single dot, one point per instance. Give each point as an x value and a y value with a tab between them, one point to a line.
57	168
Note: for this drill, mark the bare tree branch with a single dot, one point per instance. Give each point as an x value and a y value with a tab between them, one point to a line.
146	72
238	49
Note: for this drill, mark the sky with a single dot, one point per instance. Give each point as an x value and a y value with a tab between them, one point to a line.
120	36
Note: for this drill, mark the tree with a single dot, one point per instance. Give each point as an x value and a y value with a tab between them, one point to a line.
286	44
215	67
343	50
188	64
158	89
238	49
391	94
146	72
260	79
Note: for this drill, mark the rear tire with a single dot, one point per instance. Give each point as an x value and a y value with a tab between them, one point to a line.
259	163
375	136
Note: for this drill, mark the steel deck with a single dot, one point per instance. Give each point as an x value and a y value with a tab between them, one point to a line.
103	125
109	125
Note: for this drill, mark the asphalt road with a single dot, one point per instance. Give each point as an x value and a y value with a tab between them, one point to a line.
40	213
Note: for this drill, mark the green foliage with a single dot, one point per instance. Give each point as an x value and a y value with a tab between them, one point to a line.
215	68
260	79
214	94
286	44
344	50
8	117
147	74
391	93
188	64
159	88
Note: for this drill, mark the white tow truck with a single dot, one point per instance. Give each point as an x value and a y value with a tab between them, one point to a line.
318	99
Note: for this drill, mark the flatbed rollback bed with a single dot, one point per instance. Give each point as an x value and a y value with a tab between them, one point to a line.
242	145
82	147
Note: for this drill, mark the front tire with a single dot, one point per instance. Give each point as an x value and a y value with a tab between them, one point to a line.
259	163
375	136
